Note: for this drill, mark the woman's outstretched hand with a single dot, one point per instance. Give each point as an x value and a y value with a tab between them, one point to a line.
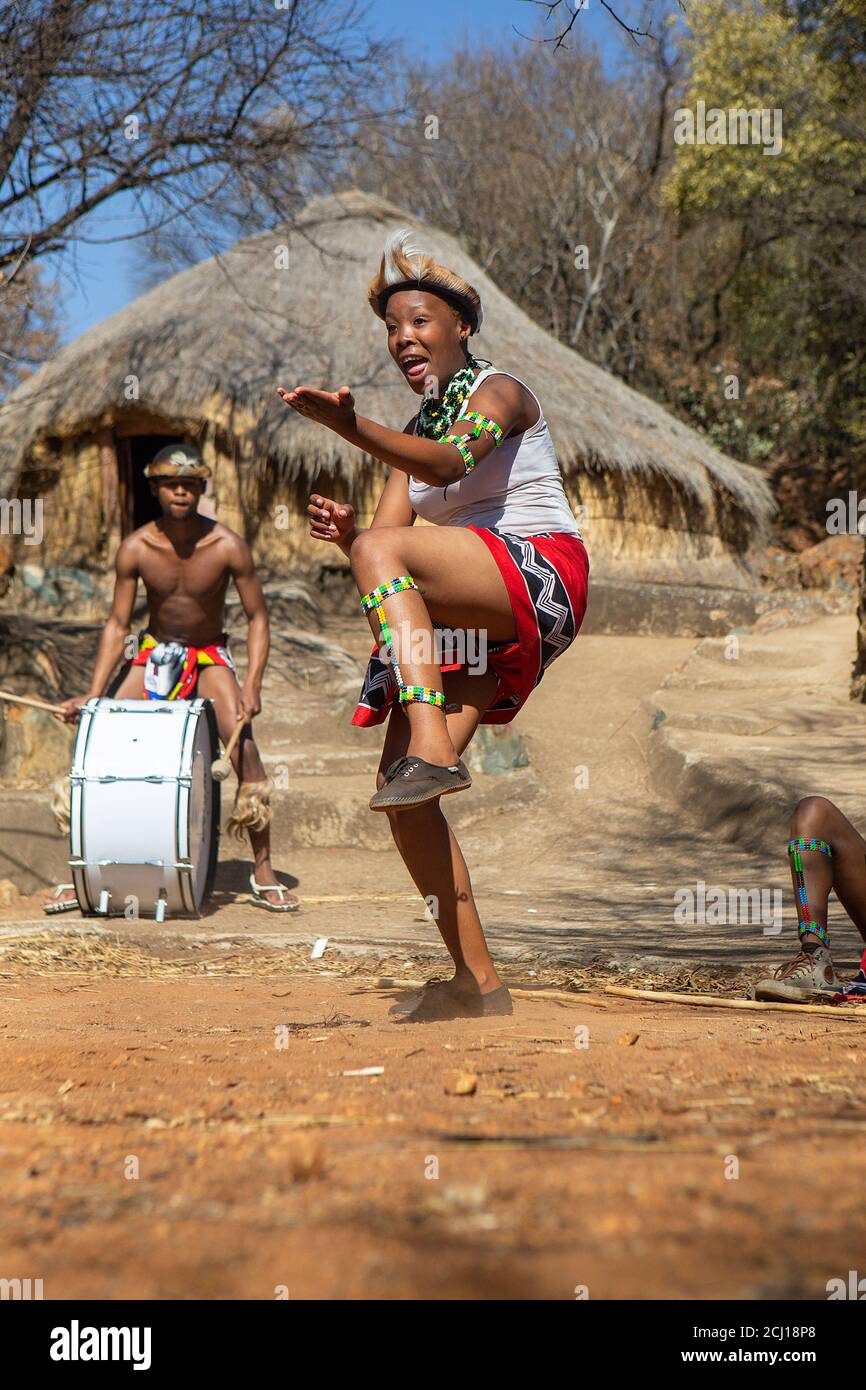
335	409
331	521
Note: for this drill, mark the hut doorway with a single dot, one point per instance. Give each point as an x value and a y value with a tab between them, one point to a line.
138	505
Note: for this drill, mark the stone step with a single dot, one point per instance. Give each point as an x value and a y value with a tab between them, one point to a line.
314	812
737	751
284	760
333	811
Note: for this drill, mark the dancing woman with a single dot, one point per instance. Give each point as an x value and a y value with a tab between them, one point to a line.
504	559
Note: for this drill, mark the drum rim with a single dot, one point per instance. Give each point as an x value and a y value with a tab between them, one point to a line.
216	809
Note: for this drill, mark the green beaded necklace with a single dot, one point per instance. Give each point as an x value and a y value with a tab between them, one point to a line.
434	420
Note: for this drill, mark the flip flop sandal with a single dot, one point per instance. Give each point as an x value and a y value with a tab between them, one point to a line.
54	907
258	899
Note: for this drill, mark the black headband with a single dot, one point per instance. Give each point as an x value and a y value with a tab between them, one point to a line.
453	297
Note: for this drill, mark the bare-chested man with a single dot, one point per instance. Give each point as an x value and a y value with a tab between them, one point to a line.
185	561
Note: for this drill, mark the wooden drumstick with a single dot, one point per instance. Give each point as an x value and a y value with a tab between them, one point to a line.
34	704
221	767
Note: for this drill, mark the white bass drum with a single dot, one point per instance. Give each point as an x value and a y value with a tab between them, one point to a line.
145	810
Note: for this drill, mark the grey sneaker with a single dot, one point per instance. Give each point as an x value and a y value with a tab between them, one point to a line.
809	976
412	781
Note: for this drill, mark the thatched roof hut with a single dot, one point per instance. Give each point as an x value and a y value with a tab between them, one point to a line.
199	357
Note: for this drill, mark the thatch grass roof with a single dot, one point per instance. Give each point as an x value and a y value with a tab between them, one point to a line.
232	328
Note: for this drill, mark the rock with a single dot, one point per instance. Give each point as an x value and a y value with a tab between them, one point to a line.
9	894
628	1039
461	1083
833	563
306	1157
34	746
7	565
496	748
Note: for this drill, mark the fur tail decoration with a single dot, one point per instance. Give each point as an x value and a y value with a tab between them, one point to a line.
403	261
252	809
61	803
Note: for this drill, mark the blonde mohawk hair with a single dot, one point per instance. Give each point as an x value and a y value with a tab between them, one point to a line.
404	266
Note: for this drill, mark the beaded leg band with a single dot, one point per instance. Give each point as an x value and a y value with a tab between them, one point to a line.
806	925
372	602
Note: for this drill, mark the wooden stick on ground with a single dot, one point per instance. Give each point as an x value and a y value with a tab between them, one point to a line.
713	1002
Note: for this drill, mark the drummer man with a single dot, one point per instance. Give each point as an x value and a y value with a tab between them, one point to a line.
185	561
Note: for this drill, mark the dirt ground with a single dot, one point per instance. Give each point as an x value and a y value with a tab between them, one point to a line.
182	1125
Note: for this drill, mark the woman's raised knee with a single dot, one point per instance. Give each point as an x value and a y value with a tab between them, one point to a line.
373	547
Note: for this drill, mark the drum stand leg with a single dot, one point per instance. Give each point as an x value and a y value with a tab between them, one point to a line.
159	910
103	902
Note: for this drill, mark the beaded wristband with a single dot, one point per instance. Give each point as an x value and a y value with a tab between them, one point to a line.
422	695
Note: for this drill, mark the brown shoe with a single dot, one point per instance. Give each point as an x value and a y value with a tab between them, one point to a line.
412	781
809	976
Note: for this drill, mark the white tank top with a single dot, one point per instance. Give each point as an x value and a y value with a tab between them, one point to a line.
516	489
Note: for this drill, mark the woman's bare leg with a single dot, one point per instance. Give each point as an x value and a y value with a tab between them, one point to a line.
428	845
844	871
459	585
810	973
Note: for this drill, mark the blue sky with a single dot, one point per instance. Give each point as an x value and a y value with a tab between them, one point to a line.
95	280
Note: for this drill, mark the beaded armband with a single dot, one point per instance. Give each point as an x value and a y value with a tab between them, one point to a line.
481	423
459	442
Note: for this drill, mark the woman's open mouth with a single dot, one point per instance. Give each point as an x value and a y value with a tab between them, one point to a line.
414	368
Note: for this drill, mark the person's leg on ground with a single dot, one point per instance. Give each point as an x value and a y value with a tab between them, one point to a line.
429	847
826	854
844	870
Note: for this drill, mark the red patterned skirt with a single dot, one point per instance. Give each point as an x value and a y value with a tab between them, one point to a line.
547	579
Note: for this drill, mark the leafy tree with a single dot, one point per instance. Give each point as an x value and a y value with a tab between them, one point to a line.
787	294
